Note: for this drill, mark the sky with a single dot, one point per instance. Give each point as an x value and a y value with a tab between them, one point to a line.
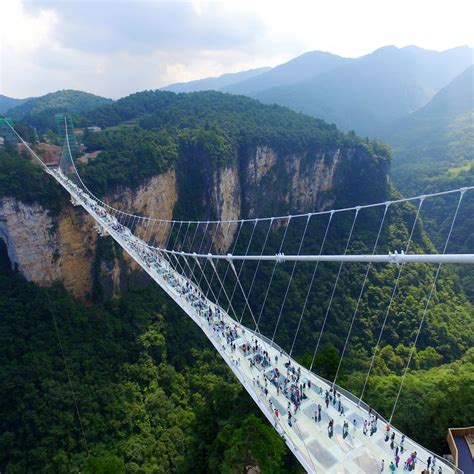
113	48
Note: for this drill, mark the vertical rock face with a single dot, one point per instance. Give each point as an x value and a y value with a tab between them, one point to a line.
312	180
66	248
225	199
45	248
294	183
156	198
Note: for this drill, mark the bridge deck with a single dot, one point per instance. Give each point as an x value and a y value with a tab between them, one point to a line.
308	439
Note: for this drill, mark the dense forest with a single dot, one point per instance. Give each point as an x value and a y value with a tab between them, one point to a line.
154	397
433	150
151	393
151	130
39	111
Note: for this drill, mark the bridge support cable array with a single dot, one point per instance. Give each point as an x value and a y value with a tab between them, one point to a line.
432	289
257	267
236	240
389	306
237	274
287	393
328	309
356	310
310	286
262	308
291	278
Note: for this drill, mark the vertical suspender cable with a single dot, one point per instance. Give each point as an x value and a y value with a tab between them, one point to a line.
233	249
369	266
392	296
242	265
273	272
258	264
311	284
328	309
291	278
432	289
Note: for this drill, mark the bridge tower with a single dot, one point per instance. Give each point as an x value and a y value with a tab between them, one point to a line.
62	120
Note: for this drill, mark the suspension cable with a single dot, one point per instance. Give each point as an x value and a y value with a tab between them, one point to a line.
242	265
66	365
369	266
433	287
311	284
200	245
215	238
290	279
273	271
211	241
392	296
258	265
234	246
328	309
214	266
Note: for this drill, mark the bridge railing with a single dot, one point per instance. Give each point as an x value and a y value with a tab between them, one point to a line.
357	401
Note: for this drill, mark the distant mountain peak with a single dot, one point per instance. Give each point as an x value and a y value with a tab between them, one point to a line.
215	83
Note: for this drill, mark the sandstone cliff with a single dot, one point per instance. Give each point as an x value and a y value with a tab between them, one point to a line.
259	182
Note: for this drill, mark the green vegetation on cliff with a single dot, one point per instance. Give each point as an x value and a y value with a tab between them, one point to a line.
153	396
27	182
434	151
212	129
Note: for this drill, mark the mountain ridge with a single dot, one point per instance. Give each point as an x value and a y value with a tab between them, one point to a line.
305	66
7	103
375	89
215	83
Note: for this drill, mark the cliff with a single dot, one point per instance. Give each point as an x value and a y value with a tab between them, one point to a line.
257	182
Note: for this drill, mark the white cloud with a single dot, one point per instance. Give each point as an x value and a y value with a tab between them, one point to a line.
116	47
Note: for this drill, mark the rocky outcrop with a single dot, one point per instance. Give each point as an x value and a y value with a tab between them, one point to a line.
156	198
45	248
297	183
225	199
66	248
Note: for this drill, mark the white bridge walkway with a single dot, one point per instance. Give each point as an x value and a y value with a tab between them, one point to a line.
308	439
272	378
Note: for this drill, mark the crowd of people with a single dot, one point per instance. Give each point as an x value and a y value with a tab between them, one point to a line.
290	386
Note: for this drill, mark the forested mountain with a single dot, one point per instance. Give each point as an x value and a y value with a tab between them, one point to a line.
152	396
372	91
219	128
7	103
365	94
215	83
437	136
39	111
433	150
304	67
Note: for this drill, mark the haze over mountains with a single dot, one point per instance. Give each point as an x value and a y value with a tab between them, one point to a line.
433	148
216	83
367	94
364	94
7	103
152	396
